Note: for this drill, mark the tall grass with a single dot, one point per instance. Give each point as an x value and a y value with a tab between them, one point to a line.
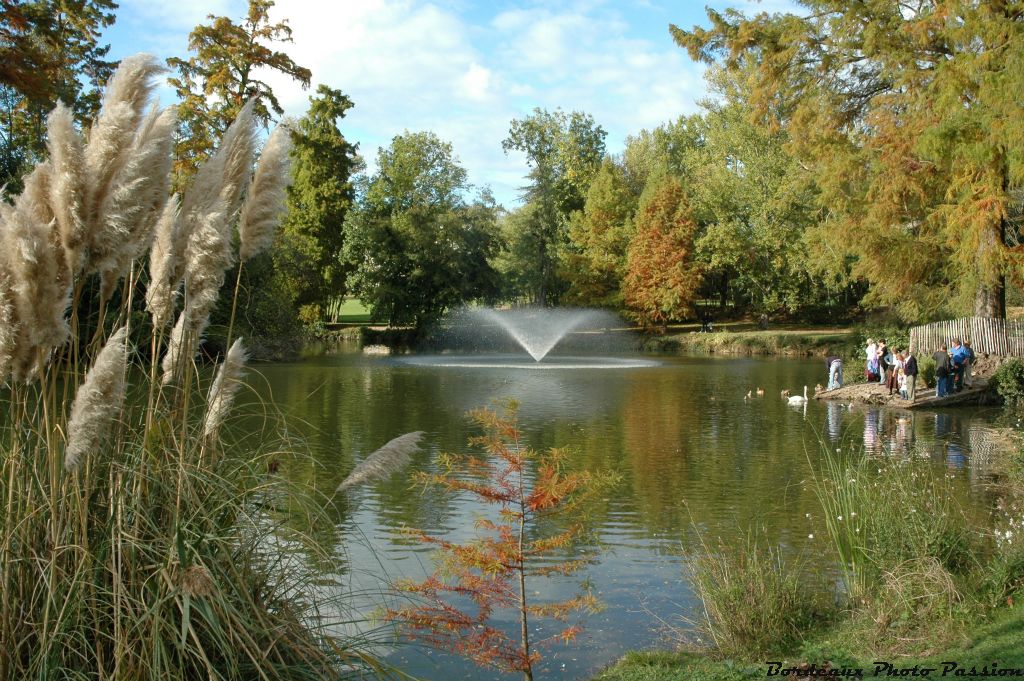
755	602
133	542
881	513
909	558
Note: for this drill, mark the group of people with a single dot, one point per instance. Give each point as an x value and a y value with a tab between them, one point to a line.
897	369
953	367
892	367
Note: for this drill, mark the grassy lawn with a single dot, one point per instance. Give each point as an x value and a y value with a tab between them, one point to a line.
999	641
352	311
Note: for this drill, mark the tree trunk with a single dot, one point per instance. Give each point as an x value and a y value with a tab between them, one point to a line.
990	294
990	298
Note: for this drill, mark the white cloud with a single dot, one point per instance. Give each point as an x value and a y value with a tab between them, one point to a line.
464	71
475	83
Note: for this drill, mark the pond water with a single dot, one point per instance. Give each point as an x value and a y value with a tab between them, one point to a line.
698	462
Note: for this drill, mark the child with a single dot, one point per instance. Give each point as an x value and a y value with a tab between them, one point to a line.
902	376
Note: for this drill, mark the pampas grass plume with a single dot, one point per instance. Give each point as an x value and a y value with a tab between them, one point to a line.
175	347
113	134
387	460
166	264
8	326
67	154
35	263
222	177
135	200
264	200
98	400
223	389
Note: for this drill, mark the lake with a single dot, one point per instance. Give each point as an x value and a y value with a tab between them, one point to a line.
699	463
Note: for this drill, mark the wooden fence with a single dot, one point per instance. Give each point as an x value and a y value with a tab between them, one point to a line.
988	336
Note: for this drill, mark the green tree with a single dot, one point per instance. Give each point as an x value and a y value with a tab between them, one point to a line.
49	53
308	256
415	245
908	119
222	76
662	278
564	152
595	260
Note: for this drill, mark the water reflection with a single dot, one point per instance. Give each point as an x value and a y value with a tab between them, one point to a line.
693	453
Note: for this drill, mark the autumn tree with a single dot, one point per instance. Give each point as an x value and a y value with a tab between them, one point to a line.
496	571
415	245
594	261
308	255
906	116
49	53
662	279
563	152
222	75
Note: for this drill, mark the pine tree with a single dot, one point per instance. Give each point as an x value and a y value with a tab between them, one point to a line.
220	78
595	262
309	252
49	53
662	279
907	116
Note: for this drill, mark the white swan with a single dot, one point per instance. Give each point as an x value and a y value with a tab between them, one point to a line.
796	399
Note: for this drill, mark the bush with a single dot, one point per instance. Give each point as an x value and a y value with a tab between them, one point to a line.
756	604
926	370
1009	382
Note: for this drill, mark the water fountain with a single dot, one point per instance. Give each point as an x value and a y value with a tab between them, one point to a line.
537	331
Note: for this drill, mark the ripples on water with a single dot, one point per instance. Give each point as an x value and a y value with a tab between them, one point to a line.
696	458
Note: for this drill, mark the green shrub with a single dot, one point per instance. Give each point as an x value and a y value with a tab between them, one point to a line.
926	370
754	602
1009	382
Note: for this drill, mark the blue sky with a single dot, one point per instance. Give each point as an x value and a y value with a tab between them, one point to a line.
465	69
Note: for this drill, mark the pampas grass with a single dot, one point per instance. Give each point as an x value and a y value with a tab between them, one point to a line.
125	552
98	401
135	201
113	134
264	201
67	155
35	263
219	182
389	459
223	389
8	326
166	264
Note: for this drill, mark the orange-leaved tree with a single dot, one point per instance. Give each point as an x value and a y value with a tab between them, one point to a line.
662	277
489	574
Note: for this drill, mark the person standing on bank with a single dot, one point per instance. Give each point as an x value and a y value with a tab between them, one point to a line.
958	355
910	371
895	369
941	358
871	354
969	364
834	366
884	361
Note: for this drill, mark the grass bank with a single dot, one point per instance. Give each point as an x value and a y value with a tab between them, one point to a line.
999	640
915	581
744	338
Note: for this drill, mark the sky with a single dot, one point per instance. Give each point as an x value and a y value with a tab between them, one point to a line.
463	69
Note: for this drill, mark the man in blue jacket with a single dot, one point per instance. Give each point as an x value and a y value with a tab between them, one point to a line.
959	361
